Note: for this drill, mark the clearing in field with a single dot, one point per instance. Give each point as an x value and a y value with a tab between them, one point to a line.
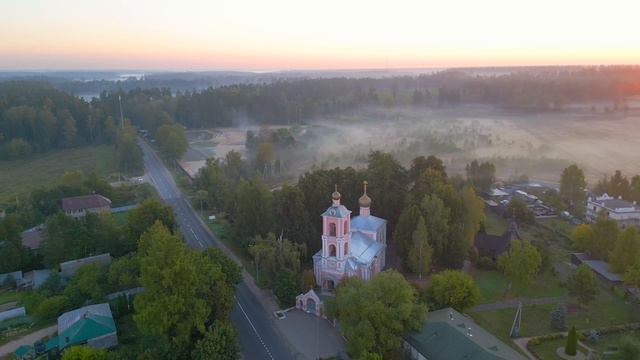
19	177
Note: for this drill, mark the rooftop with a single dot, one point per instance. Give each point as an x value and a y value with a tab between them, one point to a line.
338	211
364	248
80	325
32	238
93	201
602	268
369	223
445	335
614	204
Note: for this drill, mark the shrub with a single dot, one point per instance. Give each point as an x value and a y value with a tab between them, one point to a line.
485	263
559	318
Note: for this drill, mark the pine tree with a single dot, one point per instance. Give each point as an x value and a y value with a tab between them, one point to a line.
572	342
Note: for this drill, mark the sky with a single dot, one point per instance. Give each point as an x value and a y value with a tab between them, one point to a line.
328	34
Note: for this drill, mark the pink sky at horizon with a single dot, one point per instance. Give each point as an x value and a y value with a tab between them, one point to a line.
288	34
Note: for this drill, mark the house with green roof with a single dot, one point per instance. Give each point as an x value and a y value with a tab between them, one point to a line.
449	335
91	325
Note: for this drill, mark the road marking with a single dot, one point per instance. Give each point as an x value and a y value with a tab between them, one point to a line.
254	329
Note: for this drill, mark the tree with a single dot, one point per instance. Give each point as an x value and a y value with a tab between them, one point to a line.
171	306
403	233
521	263
605	234
452	288
124	272
128	152
88	283
220	342
421	251
481	175
52	307
436	219
519	211
253	212
632	275
292	217
172	140
387	186
420	164
572	187
572	342
375	315
583	237
146	214
626	251
84	353
286	287
273	255
629	349
583	285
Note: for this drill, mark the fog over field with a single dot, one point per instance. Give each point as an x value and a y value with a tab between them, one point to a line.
538	145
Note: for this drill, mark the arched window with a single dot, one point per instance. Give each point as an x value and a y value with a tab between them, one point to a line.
346	249
332	229
332	250
346	227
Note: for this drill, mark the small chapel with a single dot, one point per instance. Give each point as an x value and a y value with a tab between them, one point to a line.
350	247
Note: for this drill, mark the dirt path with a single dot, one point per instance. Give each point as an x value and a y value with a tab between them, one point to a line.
28	339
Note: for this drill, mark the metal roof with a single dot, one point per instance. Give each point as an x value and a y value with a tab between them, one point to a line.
339	211
80	325
370	223
445	335
364	248
85	202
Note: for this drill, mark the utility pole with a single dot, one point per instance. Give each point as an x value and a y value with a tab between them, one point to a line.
121	117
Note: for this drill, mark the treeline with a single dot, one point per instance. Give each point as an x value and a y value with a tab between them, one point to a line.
35	117
619	185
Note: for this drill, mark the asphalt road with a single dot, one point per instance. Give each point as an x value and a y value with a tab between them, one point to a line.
258	337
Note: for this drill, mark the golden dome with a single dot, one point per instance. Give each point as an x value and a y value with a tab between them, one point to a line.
364	200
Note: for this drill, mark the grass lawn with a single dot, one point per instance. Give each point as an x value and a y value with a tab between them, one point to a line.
606	310
494	287
22	176
547	349
121	217
494	224
558	224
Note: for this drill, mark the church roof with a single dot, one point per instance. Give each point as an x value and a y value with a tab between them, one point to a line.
369	223
338	211
364	248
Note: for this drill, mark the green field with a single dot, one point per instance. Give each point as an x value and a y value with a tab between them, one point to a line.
494	287
560	225
20	177
605	311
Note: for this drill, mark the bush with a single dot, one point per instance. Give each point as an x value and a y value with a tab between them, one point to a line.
52	307
485	263
286	287
559	318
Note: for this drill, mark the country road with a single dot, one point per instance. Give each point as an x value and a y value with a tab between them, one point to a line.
258	336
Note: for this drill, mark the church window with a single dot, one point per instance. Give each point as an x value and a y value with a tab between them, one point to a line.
332	229
346	227
332	250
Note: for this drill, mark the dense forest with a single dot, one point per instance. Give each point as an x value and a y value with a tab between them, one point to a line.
36	117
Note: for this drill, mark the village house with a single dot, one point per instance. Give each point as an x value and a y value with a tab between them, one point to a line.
92	325
446	334
350	247
79	206
626	213
32	238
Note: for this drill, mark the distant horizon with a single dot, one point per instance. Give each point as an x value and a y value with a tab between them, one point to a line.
200	35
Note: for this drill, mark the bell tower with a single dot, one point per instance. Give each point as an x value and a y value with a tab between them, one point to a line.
336	232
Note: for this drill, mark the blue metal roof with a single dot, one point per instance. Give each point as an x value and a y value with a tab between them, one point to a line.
338	211
369	223
364	248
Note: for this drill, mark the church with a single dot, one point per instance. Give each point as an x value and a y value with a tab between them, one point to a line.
350	247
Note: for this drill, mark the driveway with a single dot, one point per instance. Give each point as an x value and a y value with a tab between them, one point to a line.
312	336
28	339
